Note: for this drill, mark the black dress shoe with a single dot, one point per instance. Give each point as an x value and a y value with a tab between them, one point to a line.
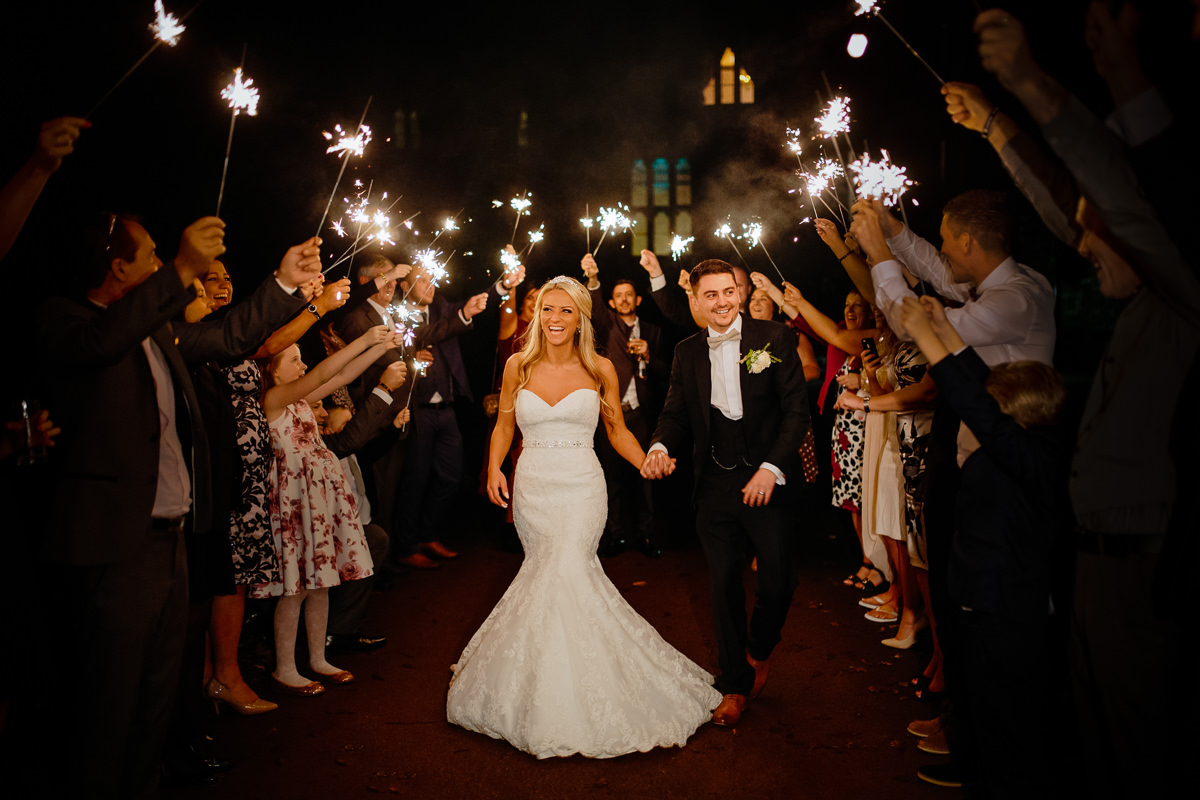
353	643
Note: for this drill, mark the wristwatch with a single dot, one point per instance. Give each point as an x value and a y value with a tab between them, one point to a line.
312	309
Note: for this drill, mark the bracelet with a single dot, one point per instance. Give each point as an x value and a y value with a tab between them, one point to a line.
312	309
385	388
867	405
848	253
987	125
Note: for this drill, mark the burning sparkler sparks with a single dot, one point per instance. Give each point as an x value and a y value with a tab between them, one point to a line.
427	260
680	245
872	7
793	141
241	94
866	7
346	143
613	219
166	27
835	119
880	179
510	261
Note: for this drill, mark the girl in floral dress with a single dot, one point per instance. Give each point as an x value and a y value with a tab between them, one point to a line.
314	517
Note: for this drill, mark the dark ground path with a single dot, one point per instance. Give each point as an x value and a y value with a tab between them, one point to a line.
830	724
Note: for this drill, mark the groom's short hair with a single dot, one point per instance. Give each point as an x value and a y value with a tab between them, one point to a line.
711	266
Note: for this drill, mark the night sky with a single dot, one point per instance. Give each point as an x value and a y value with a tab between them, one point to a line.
601	85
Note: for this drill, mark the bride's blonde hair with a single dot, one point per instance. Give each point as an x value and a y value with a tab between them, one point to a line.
533	351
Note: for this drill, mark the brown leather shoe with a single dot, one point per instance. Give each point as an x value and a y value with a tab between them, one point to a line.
729	711
760	675
438	549
418	561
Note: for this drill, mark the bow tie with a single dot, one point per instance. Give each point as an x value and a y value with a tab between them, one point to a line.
731	335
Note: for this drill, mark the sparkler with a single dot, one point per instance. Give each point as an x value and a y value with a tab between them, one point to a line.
835	120
752	233
872	7
345	147
242	96
880	179
612	219
793	142
521	206
679	245
726	232
586	222
166	29
534	238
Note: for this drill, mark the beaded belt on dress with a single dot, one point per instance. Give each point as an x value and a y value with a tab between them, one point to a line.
553	443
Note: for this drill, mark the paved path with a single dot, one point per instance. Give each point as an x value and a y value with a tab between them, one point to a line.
830	724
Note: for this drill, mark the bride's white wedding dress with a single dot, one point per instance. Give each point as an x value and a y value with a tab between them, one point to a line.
563	664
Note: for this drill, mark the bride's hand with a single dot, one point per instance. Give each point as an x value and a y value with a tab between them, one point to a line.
497	488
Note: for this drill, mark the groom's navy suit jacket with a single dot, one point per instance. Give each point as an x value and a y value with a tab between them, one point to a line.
775	413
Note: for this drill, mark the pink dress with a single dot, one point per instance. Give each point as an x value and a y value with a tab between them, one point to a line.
314	517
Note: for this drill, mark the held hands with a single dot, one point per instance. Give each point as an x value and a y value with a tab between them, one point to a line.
657	465
394	376
380	334
56	141
497	487
402	418
424	356
967	105
792	295
475	305
201	243
649	262
758	491
311	289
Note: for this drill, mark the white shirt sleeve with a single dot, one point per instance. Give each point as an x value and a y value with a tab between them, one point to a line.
658	282
925	261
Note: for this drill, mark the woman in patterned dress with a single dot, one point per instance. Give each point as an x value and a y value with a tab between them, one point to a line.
315	526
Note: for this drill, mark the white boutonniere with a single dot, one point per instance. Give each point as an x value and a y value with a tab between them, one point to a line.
758	360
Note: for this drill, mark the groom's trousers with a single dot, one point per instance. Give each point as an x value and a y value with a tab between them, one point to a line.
725	526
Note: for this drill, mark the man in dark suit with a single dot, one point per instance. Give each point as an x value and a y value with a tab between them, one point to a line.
129	473
433	463
382	460
737	388
674	304
634	346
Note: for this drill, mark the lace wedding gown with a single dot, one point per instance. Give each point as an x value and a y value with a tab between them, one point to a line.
563	664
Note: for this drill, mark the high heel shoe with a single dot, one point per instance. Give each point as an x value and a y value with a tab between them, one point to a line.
908	641
216	690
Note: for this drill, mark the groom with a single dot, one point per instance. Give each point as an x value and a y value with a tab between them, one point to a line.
738	388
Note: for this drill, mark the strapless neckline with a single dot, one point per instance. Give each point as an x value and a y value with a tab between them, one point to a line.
561	399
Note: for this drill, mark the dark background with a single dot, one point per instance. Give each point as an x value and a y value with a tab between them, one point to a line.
599	85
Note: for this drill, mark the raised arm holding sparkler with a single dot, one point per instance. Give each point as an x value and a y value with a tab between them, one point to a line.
55	141
242	96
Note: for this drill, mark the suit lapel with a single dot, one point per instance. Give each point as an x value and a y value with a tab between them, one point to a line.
746	344
703	367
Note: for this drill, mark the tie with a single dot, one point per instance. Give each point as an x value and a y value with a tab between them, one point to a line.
731	335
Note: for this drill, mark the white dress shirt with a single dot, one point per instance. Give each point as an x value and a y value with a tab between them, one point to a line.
1009	318
173	493
724	362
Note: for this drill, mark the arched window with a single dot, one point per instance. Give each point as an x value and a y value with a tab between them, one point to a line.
639	232
683	182
683	224
637	185
733	82
662	183
662	234
728	65
523	129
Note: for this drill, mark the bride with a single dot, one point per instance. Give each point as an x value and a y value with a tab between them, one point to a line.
563	664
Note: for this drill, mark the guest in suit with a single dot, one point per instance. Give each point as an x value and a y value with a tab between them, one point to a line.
433	462
634	346
1013	478
381	459
737	388
131	472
